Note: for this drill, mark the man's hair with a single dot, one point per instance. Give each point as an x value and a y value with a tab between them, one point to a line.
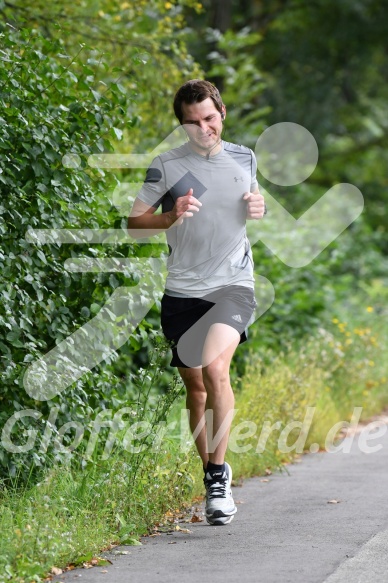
195	91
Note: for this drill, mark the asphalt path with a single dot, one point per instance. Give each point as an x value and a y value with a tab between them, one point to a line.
325	520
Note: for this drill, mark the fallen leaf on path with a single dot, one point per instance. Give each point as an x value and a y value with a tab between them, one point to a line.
56	571
264	480
268	472
183	529
96	562
196	518
333	501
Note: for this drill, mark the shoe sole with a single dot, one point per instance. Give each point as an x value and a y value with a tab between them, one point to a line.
219	521
219	518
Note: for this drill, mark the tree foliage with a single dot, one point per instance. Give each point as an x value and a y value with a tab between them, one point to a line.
319	64
145	39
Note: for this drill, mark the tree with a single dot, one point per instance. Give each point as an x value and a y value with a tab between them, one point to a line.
321	65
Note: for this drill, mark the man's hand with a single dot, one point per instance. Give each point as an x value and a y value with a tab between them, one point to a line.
143	222
184	207
255	205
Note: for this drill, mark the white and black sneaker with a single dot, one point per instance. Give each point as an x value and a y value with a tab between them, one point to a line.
220	508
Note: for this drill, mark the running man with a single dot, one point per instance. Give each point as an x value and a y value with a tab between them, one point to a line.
207	188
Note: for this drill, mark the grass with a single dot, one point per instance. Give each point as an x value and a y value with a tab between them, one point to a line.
339	369
85	505
74	513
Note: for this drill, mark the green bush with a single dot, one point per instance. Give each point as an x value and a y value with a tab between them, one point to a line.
51	106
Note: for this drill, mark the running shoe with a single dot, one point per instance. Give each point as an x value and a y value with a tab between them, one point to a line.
220	508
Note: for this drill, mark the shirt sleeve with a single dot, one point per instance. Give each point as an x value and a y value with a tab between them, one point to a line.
154	186
254	183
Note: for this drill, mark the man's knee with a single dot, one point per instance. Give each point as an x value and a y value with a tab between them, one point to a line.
217	372
192	379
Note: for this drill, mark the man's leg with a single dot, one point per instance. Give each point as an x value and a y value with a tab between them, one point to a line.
220	345
208	388
196	403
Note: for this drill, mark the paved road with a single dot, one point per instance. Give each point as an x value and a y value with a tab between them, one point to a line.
285	530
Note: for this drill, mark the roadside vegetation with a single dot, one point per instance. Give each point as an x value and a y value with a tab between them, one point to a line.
152	476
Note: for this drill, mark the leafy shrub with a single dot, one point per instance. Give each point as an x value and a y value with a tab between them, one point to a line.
51	107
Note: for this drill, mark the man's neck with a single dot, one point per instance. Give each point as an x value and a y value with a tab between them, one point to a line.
207	152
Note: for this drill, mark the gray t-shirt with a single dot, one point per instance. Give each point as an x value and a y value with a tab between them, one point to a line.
210	249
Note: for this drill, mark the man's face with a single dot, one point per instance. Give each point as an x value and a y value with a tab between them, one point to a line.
203	124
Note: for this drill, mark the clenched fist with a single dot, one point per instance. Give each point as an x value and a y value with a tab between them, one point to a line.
184	207
256	208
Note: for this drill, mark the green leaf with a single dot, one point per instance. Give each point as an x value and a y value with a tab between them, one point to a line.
96	95
102	562
13	335
130	541
42	256
83	559
118	133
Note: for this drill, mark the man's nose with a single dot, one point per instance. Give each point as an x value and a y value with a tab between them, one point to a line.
204	126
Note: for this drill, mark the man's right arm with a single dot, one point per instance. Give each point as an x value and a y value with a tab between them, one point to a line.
142	215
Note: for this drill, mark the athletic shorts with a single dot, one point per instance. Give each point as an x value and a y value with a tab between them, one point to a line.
233	305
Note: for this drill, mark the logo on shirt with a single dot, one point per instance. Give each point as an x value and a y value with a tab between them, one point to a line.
237	178
237	317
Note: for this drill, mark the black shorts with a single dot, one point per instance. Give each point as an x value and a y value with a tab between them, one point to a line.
233	305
